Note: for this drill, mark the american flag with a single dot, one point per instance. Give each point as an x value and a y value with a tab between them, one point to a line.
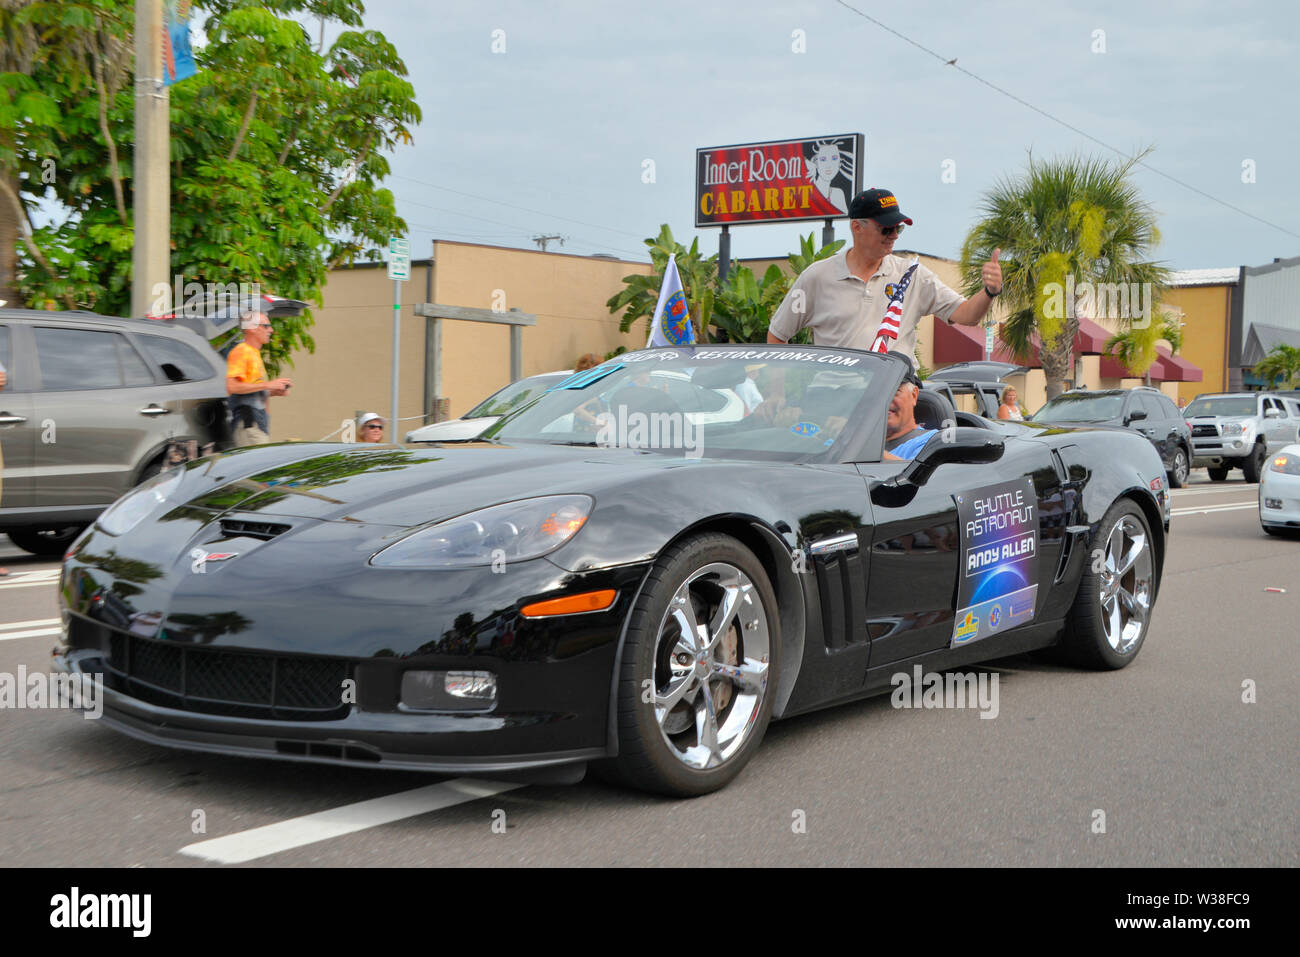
887	334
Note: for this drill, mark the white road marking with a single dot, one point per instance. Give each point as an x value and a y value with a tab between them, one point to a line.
34	623
1206	509
28	579
323	825
36	628
36	633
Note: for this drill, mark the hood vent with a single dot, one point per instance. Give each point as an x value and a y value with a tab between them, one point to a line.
265	531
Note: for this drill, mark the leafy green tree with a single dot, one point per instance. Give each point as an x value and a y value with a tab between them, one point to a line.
1282	362
744	305
278	149
1078	217
740	307
641	293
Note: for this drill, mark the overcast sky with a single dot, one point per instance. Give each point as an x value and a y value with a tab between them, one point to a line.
549	137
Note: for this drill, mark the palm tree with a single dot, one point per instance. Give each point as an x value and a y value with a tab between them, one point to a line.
1136	346
1077	217
1282	362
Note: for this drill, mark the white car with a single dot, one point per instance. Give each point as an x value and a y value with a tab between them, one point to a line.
1279	493
485	415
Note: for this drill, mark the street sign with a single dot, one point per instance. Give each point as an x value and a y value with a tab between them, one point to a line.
988	342
399	259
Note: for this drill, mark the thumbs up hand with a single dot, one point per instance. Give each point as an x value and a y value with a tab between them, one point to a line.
992	275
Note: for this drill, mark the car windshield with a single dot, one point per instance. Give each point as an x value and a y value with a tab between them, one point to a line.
514	396
1221	405
778	404
1080	407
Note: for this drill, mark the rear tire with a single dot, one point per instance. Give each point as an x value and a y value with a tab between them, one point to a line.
46	542
1217	474
698	671
1178	473
1112	611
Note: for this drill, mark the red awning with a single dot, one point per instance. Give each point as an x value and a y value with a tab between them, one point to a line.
953	343
1180	370
1167	368
1091	338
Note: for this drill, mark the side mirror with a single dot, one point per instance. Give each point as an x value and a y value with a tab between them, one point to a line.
1271	413
1134	416
959	446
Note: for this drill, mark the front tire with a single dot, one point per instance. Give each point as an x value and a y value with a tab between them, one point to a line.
1253	466
699	669
46	542
1178	473
1112	610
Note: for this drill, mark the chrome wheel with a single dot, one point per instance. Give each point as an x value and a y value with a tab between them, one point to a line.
1125	584
712	653
1180	469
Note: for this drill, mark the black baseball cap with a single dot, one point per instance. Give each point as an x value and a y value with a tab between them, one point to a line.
877	204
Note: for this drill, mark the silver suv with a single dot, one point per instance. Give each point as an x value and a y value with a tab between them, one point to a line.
92	407
1239	430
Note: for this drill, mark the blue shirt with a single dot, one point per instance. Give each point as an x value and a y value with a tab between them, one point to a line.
909	448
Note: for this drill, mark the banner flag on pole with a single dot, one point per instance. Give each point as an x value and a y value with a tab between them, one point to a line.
887	334
671	325
178	61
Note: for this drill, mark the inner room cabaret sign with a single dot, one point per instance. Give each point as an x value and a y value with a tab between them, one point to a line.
782	180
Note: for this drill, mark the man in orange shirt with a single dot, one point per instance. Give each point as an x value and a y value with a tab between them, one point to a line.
246	382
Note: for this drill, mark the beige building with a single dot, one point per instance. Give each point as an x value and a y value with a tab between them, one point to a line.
351	367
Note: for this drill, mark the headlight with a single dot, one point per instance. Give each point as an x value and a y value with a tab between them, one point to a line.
1285	463
514	532
126	513
1231	428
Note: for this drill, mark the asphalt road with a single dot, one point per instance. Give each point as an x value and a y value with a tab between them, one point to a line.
1186	773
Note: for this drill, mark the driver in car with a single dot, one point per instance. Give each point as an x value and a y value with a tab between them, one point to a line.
903	437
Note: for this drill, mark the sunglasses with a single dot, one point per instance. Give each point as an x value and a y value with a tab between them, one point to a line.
371	426
890	230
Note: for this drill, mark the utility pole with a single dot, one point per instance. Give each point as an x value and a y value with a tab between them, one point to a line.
151	184
543	240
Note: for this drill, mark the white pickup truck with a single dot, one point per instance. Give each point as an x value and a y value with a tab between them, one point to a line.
1240	430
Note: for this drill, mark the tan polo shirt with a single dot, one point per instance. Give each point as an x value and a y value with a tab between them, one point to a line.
842	310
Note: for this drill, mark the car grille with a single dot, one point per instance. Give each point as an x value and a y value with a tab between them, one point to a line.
237	684
1198	430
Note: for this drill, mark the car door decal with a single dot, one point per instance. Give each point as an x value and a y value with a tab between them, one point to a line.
998	587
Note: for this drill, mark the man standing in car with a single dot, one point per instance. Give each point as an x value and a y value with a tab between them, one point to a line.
246	382
844	298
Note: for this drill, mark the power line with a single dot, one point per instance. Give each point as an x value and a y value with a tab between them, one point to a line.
1055	119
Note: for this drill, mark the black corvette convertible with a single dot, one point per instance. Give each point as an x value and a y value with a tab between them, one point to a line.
639	569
